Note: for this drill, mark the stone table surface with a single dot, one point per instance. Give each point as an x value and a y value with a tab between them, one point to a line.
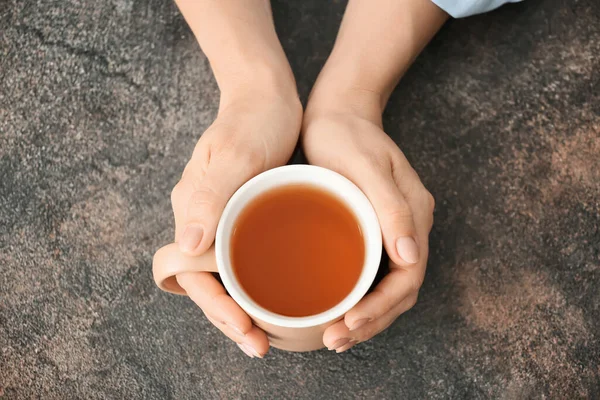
101	103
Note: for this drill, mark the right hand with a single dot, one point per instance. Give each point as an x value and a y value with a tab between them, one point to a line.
343	131
251	134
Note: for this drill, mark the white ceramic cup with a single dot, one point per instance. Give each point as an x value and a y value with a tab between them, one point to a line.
287	333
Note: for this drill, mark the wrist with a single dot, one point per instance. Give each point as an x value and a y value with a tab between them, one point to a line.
349	67
376	45
354	81
336	94
241	44
255	80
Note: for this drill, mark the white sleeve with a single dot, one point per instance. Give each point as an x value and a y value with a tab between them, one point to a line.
465	8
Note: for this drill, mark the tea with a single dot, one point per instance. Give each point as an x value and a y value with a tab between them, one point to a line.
297	250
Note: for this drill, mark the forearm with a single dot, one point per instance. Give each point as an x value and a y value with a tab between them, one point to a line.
377	42
240	42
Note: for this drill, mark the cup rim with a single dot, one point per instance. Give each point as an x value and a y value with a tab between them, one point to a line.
346	191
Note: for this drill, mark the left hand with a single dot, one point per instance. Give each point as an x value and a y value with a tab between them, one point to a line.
354	144
251	134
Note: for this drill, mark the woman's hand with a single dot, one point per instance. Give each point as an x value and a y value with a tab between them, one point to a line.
256	129
251	134
343	132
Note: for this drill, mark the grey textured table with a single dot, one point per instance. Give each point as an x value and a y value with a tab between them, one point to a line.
101	104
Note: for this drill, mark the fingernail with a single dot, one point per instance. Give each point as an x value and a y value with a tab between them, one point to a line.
407	249
192	236
246	350
347	346
339	343
359	323
251	350
235	328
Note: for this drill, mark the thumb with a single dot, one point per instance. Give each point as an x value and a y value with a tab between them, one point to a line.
395	217
205	196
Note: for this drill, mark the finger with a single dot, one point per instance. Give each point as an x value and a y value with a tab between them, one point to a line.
424	222
204	289
254	344
180	196
216	170
400	283
338	337
397	292
226	329
395	217
420	199
396	286
376	326
205	203
347	346
193	172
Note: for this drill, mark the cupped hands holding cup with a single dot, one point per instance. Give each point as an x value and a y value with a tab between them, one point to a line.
259	123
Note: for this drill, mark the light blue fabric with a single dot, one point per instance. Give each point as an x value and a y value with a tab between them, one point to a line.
465	8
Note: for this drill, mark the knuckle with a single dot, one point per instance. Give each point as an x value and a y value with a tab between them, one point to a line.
367	332
227	144
252	158
372	161
400	168
400	211
249	154
398	215
205	197
416	282
386	298
413	189
412	301
429	200
200	156
176	192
